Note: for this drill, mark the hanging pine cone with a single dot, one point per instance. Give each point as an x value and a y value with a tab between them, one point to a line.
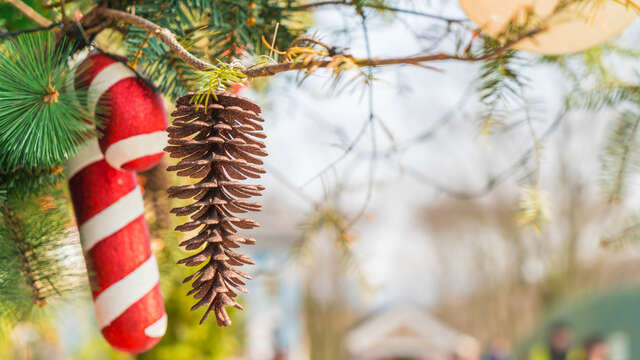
218	145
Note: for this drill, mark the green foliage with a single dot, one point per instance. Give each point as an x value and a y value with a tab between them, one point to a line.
41	119
36	261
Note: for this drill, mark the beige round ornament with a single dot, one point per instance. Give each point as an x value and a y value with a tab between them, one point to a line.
575	28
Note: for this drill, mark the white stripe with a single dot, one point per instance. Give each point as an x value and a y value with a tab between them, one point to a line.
111	219
118	297
158	328
135	147
105	79
88	153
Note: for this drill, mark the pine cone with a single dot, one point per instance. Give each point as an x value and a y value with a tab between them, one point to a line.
218	145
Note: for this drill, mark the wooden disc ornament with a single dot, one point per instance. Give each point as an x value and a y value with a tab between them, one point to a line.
576	28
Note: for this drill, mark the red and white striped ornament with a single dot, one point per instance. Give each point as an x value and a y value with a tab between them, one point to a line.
115	239
134	132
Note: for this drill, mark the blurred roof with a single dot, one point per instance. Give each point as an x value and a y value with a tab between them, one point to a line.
402	332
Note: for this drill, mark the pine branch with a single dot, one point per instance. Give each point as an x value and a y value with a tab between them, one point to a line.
41	119
621	154
37	261
15	230
500	85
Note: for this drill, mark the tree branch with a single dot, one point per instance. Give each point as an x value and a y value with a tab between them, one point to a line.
30	13
27	31
269	70
166	36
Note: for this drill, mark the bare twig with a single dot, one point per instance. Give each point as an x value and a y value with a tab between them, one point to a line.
302	40
374	153
63	11
494	180
373	6
273	69
29	12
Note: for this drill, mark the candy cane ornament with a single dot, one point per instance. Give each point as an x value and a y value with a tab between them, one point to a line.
134	116
115	239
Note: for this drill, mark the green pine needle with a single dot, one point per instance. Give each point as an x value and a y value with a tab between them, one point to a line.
41	119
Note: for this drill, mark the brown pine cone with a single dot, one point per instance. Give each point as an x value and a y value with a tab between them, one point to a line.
219	145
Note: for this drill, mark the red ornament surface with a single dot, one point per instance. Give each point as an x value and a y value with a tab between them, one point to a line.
126	333
130	109
122	269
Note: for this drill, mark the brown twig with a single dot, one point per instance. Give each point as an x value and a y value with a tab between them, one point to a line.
63	11
269	70
302	40
29	12
165	35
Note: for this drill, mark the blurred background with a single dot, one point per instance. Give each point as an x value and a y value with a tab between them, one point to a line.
399	223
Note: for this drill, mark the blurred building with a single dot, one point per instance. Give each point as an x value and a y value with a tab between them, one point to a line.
403	333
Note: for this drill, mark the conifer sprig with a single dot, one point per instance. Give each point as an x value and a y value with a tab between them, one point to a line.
41	119
36	261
